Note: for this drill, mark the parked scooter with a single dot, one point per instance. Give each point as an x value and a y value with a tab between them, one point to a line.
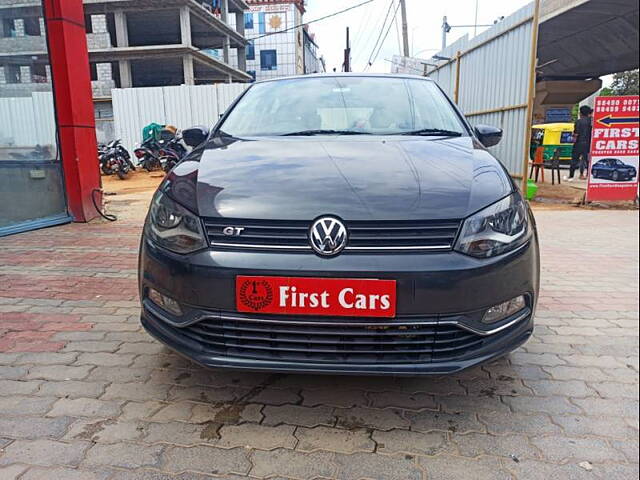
171	152
148	155
114	158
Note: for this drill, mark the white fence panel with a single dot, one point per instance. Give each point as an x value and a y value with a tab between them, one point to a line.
45	118
175	100
182	106
204	105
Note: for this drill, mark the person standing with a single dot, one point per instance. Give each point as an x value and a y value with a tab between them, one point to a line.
582	143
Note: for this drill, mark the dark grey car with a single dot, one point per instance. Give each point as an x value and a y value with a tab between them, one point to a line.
340	224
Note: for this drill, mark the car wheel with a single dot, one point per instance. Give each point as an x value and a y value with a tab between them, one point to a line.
615	176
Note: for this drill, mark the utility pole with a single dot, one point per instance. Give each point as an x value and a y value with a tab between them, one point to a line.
405	28
445	29
347	55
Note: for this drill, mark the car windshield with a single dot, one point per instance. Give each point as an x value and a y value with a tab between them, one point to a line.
343	106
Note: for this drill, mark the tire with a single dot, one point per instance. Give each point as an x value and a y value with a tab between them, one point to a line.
105	170
615	176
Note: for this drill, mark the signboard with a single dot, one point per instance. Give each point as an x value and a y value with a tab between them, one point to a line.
613	169
557	115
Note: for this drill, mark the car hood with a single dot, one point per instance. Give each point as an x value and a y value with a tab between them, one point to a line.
354	178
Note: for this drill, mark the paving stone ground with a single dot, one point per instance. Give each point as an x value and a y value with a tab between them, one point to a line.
85	393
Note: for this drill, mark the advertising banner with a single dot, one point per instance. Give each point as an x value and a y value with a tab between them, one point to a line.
613	168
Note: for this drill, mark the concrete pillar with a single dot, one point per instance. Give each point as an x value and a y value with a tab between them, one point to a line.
224	10
242	51
126	81
3	79
187	69
185	26
122	34
43	31
75	117
240	23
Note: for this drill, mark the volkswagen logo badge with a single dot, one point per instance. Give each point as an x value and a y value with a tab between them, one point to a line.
328	236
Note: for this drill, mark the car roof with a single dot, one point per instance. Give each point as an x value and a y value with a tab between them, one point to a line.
347	75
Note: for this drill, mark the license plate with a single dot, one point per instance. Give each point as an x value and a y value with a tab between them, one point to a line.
344	297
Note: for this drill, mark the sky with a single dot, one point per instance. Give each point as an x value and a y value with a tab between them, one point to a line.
424	18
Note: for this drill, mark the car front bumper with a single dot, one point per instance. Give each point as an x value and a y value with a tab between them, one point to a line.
440	298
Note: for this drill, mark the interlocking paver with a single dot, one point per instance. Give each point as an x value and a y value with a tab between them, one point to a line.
413	443
561	449
364	417
365	465
34	427
205	459
123	455
461	422
449	467
334	440
44	452
84	407
290	463
64	474
298	415
256	436
71	389
85	393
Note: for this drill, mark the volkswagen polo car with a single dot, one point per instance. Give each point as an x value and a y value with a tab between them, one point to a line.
349	224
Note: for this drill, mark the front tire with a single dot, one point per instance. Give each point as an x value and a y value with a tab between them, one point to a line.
615	176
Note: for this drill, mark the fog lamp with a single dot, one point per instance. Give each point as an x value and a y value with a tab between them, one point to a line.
504	310
164	302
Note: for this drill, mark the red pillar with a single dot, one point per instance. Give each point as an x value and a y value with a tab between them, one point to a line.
69	60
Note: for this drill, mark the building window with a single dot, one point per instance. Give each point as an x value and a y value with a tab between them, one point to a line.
8	28
251	51
32	27
268	60
93	70
12	74
248	21
262	28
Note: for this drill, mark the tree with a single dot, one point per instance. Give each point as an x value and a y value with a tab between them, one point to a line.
625	83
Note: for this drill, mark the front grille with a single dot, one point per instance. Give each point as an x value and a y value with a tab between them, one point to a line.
364	236
332	340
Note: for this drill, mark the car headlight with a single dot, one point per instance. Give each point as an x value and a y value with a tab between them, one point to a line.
497	229
173	227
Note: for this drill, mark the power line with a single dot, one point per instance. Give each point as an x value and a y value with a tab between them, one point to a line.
313	21
370	35
364	19
395	14
384	23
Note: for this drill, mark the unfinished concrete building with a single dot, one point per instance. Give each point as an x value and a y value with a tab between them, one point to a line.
132	43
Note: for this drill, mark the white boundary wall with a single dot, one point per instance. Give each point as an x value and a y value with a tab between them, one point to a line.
183	107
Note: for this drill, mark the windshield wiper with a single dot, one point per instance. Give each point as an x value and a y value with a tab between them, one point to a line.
323	132
433	132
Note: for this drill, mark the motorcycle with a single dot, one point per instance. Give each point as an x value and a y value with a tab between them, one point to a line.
148	155
171	152
114	158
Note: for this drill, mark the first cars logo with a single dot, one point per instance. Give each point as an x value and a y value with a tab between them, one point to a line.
256	294
328	236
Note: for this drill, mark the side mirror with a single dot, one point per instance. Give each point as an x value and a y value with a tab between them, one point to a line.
194	136
488	135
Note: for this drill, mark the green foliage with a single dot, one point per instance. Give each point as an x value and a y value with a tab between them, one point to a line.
625	83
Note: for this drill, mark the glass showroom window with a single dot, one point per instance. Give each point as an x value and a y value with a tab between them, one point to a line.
31	185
